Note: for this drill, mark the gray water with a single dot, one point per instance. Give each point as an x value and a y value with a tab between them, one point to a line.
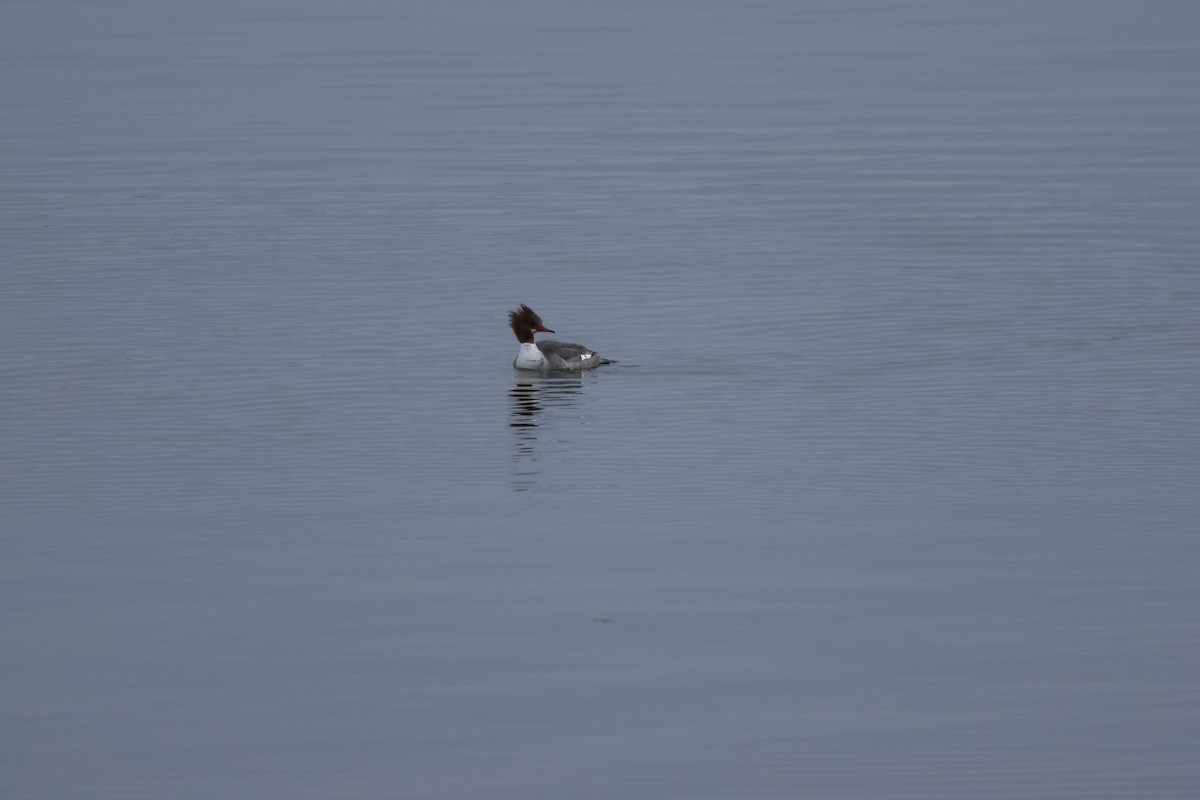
893	493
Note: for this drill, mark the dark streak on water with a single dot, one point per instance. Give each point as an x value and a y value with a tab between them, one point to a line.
893	493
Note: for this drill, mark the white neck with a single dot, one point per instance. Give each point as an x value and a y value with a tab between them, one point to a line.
530	357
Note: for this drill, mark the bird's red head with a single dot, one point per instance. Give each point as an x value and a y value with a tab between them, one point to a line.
525	323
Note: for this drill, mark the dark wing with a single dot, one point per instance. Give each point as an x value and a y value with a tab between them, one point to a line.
565	355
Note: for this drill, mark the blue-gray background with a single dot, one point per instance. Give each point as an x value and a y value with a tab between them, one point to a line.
893	493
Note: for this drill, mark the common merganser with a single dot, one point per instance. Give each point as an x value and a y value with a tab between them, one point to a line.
548	355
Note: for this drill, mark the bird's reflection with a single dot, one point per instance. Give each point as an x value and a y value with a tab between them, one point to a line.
528	401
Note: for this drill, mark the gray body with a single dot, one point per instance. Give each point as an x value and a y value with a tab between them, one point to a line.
568	356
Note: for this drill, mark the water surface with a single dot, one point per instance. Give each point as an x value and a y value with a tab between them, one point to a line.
892	493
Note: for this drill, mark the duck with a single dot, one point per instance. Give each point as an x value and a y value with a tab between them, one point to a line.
548	355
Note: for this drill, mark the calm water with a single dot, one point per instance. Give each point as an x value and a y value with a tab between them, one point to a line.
892	494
